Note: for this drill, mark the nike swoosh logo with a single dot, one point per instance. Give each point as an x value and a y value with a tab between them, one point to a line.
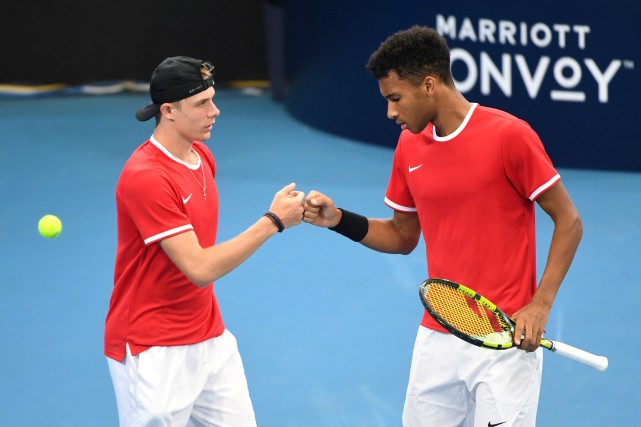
412	169
489	424
187	199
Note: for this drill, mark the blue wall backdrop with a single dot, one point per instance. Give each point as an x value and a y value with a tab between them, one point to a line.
571	71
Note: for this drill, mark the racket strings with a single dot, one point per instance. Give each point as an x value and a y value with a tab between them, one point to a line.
466	314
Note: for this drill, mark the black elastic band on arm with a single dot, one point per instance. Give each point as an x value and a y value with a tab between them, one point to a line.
279	224
352	225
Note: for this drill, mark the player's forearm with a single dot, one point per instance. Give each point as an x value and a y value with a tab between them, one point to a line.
565	241
396	235
385	236
218	260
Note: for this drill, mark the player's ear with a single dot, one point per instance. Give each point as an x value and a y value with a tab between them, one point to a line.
166	110
429	85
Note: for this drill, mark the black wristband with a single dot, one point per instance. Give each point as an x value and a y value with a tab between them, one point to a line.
352	225
271	215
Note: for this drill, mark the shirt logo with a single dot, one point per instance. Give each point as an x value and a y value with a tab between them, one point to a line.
489	424
412	169
187	199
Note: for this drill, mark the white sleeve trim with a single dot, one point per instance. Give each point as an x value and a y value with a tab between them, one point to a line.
398	207
168	233
544	187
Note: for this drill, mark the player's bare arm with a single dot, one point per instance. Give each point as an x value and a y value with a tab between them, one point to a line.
567	234
398	235
204	265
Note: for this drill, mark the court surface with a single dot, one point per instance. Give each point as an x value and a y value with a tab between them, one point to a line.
325	326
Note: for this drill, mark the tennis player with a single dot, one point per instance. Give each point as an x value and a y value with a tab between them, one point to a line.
171	359
467	177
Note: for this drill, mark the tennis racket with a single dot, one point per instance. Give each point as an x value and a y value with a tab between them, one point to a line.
478	321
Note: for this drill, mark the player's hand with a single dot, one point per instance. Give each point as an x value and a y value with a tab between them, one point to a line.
320	210
288	205
530	325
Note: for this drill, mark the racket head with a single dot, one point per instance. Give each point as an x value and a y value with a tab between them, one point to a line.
466	314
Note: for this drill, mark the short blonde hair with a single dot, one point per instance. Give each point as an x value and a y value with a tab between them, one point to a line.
205	70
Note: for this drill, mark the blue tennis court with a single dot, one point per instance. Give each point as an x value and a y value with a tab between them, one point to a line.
325	326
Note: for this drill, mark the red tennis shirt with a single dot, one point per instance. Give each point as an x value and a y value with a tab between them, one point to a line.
152	302
474	192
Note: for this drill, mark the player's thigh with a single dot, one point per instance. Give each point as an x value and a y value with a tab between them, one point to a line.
434	391
158	386
122	386
508	391
225	399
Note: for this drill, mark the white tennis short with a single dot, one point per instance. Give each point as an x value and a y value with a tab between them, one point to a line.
454	383
194	385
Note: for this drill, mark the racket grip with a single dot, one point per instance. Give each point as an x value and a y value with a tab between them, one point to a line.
597	362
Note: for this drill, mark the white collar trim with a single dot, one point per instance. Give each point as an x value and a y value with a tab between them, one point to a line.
162	148
457	131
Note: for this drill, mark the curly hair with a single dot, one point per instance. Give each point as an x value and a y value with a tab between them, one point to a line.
413	54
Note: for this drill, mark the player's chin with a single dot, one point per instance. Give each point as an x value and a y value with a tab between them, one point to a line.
416	129
204	136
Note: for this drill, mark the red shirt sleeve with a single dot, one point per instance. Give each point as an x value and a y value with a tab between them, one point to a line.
527	165
155	206
398	195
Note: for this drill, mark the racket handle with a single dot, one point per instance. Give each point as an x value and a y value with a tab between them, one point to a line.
597	362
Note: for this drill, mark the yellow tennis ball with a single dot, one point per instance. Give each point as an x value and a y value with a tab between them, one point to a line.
49	226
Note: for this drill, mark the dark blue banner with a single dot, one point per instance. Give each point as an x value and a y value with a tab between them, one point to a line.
570	70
